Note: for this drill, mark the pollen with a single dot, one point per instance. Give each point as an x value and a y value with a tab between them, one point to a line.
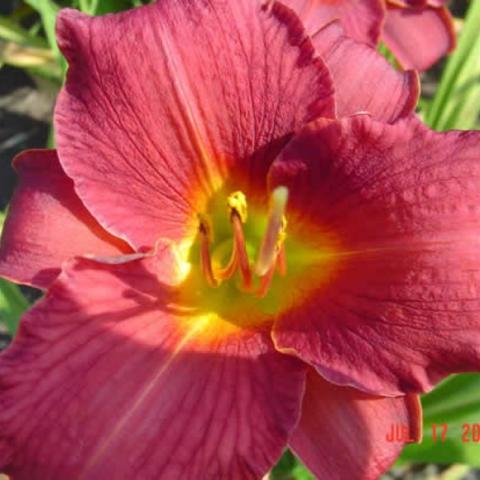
237	203
256	276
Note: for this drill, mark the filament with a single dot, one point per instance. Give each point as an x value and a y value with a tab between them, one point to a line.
241	250
239	257
206	260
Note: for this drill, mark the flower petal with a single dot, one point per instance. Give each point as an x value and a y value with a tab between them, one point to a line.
47	223
194	91
401	306
111	378
364	81
344	433
361	19
416	3
419	37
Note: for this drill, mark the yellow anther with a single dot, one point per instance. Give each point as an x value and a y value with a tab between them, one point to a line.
237	202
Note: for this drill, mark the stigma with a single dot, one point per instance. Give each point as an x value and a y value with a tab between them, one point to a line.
256	276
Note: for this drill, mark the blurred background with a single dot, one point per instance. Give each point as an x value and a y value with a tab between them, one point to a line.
31	74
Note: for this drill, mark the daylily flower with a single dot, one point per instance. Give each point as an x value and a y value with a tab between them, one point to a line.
418	32
230	268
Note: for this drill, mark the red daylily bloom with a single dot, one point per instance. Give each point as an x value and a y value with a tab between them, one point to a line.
231	269
418	32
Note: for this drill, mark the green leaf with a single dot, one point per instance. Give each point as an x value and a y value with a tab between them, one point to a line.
389	56
301	473
48	10
456	103
12	32
106	6
24	49
12	302
455	403
12	305
35	59
290	468
97	7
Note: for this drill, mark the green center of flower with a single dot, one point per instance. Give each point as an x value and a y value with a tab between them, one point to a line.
256	273
246	266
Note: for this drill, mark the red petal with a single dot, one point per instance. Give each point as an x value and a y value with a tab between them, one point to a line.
416	3
346	434
47	223
150	123
361	19
364	81
111	378
407	3
419	37
401	307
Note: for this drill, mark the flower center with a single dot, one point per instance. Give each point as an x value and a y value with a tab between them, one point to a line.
256	277
237	280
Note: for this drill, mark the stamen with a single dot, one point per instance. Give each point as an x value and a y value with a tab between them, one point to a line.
237	204
229	269
241	250
274	233
206	260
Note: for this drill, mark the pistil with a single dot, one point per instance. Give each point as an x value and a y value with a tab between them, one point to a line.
275	233
282	260
265	282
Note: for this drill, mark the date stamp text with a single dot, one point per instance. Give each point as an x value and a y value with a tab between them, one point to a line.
440	432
